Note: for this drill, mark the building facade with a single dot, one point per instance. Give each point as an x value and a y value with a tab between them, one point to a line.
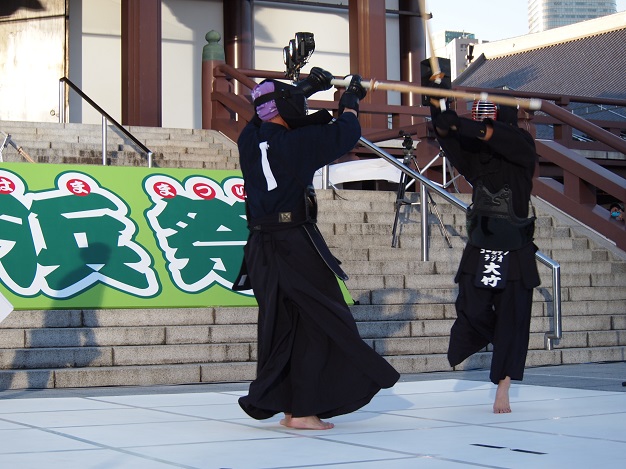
549	14
82	40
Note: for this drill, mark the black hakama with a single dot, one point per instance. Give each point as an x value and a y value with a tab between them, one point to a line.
500	317
311	358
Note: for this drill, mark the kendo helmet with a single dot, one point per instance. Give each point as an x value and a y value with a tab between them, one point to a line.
482	110
272	98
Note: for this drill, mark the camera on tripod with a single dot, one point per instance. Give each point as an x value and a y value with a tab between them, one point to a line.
407	143
297	54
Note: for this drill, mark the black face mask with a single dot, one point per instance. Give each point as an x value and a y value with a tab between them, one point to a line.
507	115
292	106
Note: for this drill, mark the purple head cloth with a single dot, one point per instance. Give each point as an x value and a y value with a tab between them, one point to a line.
268	110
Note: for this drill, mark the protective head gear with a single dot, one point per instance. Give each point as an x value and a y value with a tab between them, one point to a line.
273	98
482	110
266	110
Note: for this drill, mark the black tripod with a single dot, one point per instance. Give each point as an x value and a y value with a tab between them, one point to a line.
409	157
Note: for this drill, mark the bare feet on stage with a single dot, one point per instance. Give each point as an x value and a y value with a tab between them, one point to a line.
305	423
501	405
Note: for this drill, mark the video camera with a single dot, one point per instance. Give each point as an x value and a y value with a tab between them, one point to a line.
297	54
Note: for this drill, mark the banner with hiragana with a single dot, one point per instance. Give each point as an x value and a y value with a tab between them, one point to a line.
120	237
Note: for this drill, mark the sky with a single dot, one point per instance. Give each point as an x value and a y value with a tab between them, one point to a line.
490	20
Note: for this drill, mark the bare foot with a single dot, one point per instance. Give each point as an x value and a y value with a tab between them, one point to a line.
306	423
286	421
501	405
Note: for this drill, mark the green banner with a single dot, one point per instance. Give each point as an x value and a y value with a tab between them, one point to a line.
120	237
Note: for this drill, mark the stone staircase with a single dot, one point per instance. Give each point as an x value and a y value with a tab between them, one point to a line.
82	144
404	309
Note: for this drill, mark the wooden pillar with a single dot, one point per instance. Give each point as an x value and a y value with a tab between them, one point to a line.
238	33
368	51
412	47
141	63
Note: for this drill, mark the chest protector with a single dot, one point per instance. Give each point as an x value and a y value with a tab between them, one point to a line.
492	223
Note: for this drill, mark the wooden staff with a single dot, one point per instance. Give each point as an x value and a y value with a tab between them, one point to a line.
530	104
20	151
434	61
437	75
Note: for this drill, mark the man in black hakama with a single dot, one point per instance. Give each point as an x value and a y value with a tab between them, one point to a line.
312	363
498	271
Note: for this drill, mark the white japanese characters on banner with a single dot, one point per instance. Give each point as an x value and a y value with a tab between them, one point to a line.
120	237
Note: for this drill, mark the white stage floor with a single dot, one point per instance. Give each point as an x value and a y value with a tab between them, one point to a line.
444	423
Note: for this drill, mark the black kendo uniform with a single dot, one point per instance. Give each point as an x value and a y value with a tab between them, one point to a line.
311	359
494	301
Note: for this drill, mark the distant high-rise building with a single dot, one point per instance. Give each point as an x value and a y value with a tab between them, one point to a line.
548	14
454	45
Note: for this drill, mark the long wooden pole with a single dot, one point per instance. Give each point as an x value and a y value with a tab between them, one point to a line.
434	62
437	75
530	104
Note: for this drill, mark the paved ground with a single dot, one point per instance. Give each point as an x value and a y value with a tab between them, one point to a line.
570	416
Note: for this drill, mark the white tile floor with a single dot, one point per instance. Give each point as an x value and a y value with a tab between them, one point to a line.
428	424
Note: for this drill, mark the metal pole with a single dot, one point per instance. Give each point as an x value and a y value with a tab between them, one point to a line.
104	141
61	102
325	177
552	337
424	218
149	159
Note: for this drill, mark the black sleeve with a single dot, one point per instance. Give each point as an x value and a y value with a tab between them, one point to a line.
451	145
513	144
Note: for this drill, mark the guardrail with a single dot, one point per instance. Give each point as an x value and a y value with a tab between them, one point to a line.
106	119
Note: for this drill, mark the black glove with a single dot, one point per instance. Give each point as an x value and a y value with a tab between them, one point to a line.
353	94
472	129
318	80
446	122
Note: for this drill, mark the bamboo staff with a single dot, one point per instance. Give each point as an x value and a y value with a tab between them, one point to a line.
437	74
529	104
434	62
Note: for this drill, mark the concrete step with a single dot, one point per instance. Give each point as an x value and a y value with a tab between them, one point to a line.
127	355
145	375
82	144
129	317
422	359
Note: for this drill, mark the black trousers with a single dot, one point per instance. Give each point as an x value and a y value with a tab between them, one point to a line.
499	317
311	358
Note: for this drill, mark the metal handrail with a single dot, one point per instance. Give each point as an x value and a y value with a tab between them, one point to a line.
551	337
106	118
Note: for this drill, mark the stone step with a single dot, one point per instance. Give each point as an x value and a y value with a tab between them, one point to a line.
147	375
424	345
430	319
129	317
438	362
417	362
82	144
126	355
